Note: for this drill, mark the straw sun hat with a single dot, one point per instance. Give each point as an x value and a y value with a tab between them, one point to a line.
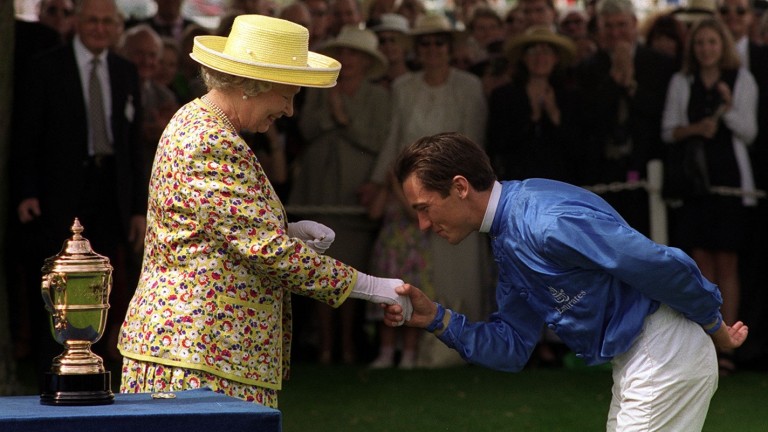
392	22
695	10
433	23
565	48
267	49
360	40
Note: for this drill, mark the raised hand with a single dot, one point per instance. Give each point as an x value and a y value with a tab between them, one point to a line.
316	235
730	337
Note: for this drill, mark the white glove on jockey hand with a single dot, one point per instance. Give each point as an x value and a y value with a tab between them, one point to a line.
316	235
381	290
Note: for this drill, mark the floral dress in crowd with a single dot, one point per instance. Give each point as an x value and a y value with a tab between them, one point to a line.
401	250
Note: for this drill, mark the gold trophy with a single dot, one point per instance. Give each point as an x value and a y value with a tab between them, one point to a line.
75	287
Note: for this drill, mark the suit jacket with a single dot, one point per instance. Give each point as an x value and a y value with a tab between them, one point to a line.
614	151
520	148
758	65
652	73
50	139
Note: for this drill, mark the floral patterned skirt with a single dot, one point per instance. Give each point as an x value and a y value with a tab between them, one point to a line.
147	377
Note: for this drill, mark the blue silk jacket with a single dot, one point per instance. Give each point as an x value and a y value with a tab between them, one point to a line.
567	260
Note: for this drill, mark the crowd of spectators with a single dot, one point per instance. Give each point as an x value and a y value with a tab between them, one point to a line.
577	94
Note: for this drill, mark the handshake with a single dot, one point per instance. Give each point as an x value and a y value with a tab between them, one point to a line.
370	288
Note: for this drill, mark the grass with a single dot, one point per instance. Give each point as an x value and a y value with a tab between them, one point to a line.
475	399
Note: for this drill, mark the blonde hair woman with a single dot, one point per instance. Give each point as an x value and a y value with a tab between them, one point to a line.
713	102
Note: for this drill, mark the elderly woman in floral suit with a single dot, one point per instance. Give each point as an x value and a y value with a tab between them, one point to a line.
212	308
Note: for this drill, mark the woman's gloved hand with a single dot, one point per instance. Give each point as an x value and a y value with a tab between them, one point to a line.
316	235
381	290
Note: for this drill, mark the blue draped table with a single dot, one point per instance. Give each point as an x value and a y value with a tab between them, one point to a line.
189	411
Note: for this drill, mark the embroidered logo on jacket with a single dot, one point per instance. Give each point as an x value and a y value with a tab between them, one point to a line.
564	299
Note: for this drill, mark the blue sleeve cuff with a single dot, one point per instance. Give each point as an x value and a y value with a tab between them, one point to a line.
437	323
714	325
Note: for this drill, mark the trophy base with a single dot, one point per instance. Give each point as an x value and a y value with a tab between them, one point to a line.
85	389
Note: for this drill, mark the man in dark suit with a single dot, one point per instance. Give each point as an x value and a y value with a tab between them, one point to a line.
63	169
625	84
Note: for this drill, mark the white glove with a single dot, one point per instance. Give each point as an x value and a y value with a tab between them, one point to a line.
381	290
316	235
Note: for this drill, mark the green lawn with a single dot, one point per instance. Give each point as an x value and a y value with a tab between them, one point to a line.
474	399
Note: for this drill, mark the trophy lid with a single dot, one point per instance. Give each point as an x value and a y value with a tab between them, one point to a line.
76	255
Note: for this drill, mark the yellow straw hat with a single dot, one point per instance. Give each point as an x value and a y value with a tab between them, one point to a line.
267	49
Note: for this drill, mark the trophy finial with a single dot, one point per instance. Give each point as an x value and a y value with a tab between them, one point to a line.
77	229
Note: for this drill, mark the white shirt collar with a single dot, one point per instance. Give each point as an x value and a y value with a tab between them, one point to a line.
84	56
490	211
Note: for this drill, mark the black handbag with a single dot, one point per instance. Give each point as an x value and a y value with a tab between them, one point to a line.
685	170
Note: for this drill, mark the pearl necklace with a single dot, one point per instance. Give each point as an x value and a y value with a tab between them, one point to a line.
219	112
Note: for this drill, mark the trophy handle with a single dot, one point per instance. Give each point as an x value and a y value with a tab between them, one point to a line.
46	290
54	281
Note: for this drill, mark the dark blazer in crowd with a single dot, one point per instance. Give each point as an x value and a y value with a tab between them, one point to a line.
623	129
520	148
50	148
652	73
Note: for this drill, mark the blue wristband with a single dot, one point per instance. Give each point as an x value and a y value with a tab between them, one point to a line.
714	326
437	323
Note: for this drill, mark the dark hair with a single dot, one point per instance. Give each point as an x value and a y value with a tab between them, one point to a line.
669	26
437	159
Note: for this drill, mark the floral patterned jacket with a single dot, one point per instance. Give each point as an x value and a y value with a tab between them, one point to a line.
219	267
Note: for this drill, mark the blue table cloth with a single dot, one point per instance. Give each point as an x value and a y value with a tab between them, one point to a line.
189	411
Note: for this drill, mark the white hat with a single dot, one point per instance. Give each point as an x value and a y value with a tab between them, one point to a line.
392	22
365	41
695	10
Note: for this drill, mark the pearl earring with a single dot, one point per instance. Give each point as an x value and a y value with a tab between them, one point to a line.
245	97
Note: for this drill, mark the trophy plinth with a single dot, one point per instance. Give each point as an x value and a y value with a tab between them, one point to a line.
75	288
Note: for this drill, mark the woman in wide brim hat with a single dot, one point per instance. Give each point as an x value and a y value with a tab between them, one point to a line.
212	307
360	40
435	23
395	44
565	48
533	119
